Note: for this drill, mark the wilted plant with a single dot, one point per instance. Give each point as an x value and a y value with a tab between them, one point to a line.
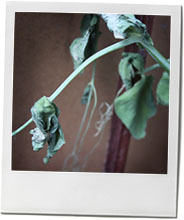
133	107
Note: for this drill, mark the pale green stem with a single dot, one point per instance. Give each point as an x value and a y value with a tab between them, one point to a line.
153	67
89	121
22	127
97	55
131	40
156	55
73	154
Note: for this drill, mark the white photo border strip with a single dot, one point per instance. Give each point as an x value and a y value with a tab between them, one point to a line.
92	193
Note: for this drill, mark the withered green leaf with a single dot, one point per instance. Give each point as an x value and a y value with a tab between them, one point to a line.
135	106
48	130
126	25
163	90
85	46
131	67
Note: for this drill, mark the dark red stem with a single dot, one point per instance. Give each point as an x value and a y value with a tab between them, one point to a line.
119	135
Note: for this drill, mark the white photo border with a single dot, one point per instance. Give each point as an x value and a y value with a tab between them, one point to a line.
107	194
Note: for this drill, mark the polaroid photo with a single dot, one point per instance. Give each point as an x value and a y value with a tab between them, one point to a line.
91	109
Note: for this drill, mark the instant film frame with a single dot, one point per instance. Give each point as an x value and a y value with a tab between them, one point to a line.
92	193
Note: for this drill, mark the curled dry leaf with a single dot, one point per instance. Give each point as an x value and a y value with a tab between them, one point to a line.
48	130
85	46
131	68
127	25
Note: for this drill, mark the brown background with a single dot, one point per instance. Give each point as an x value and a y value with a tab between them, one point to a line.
42	61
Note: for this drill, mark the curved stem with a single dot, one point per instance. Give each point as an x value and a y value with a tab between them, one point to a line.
153	67
89	121
131	40
97	55
91	114
83	121
93	109
22	127
73	153
157	56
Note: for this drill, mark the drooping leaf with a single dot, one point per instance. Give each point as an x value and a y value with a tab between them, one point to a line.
126	25
135	106
163	90
131	67
77	49
48	130
88	20
56	140
85	46
86	94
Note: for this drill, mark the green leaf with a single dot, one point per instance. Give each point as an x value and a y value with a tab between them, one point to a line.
85	46
48	130
127	25
131	67
163	90
86	94
55	141
88	20
135	106
77	49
